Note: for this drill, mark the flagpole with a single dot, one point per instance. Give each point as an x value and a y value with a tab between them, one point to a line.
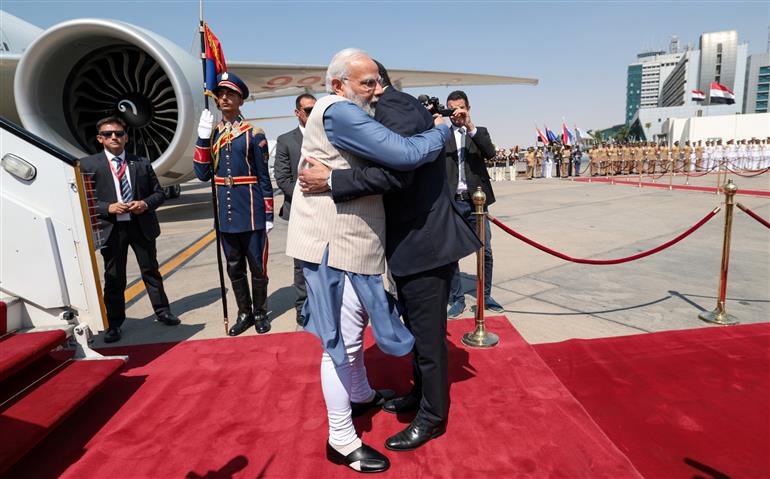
222	290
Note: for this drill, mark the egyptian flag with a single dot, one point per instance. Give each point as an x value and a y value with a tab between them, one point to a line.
721	94
215	59
698	95
566	135
541	136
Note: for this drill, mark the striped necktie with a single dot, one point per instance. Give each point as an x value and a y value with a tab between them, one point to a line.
125	187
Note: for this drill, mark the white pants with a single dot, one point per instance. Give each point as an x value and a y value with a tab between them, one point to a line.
347	382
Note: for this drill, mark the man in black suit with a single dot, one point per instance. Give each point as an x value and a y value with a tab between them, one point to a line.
467	150
419	218
127	193
287	154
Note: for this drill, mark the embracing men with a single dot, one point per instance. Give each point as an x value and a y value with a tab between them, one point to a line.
341	238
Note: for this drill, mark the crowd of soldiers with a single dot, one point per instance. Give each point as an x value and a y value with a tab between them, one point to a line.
639	158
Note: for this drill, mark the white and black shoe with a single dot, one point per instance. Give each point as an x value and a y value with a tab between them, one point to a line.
364	459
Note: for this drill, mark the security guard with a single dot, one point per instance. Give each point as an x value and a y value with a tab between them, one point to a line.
237	154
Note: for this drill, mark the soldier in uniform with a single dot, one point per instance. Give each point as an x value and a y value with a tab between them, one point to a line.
731	154
698	152
539	158
235	154
687	158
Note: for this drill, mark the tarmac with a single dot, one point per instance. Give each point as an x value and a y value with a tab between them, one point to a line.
546	298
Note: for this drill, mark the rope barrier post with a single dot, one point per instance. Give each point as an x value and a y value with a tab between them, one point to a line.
480	337
670	174
641	164
719	314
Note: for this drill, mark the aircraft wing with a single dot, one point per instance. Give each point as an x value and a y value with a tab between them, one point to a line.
269	81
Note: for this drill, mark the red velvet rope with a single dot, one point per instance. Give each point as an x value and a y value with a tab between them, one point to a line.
754	215
702	173
756	172
643	254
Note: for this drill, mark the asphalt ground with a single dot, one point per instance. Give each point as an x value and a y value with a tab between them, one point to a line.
547	299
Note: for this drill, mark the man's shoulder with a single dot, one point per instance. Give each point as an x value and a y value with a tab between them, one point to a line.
91	162
284	137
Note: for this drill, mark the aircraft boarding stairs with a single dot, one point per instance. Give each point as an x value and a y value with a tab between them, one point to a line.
41	382
50	297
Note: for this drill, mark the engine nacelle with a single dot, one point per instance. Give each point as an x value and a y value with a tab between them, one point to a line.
80	71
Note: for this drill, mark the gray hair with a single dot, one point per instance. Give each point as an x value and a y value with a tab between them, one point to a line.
338	67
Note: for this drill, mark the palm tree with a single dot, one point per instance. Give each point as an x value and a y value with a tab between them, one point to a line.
597	136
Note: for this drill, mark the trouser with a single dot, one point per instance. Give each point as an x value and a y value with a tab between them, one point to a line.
457	294
115	254
249	247
346	382
299	286
423	297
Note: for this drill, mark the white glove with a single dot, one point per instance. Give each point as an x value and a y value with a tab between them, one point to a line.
268	226
206	124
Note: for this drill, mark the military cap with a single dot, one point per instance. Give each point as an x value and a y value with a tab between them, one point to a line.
231	81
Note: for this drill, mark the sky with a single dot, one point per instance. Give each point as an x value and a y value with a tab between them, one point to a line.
578	50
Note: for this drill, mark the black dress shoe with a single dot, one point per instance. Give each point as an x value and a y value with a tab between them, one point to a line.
262	324
168	319
380	396
368	459
402	404
112	335
414	436
244	322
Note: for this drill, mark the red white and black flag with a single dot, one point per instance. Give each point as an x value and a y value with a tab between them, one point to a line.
721	94
698	95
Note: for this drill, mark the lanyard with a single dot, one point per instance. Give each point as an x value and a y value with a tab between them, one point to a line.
118	174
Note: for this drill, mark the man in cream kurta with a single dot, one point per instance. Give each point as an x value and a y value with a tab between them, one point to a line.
342	248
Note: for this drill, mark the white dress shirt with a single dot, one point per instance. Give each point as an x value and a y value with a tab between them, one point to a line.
460	140
113	170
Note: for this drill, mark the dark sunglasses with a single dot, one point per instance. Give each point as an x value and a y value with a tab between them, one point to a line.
109	133
307	110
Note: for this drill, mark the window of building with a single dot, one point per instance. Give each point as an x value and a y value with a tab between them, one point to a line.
764	78
719	48
764	87
763	70
762	96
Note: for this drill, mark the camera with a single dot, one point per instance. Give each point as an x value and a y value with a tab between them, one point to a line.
433	105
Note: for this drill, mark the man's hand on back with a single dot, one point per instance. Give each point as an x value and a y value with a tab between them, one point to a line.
313	179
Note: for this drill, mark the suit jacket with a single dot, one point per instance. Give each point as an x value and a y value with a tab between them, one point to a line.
287	155
144	185
423	230
477	149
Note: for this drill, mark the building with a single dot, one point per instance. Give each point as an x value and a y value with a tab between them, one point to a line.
683	79
720	59
645	77
757	82
717	127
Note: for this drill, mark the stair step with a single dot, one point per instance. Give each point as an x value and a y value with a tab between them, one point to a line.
29	417
19	350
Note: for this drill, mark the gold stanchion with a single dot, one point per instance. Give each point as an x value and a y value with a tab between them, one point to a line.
480	337
641	165
719	314
670	174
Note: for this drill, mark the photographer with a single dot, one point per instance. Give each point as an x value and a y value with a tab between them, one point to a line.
467	150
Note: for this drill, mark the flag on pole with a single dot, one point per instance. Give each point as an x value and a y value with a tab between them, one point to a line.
580	135
541	136
698	95
550	135
721	94
566	135
215	59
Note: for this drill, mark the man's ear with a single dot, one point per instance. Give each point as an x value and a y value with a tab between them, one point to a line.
337	86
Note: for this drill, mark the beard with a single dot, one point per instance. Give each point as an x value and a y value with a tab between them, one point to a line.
361	102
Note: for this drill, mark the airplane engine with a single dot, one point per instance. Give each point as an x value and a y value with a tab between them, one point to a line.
80	71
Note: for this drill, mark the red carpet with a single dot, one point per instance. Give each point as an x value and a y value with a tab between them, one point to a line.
693	403
664	184
252	407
